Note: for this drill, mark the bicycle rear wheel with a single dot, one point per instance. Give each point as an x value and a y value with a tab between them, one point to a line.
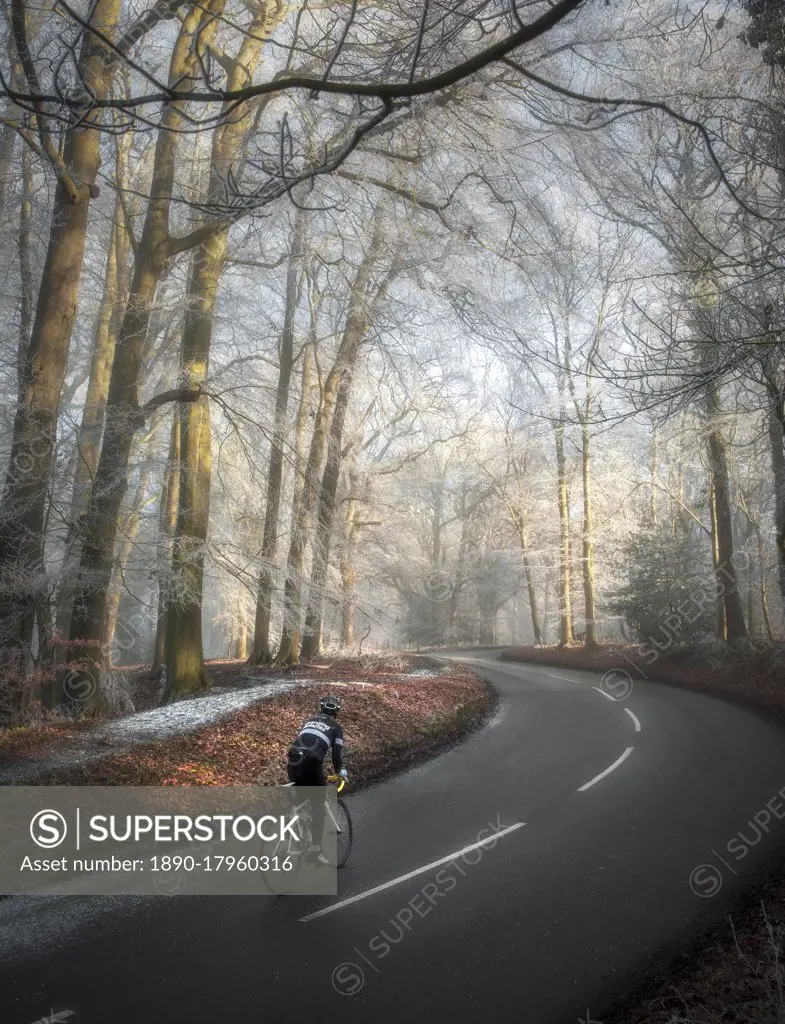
280	880
345	833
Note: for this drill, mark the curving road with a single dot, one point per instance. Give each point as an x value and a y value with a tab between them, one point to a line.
597	833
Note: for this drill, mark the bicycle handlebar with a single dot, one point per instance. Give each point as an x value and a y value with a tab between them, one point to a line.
339	779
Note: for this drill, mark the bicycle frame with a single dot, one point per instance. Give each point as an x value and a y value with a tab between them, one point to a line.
299	807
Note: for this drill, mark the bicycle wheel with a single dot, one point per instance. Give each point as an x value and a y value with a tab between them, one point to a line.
278	853
345	833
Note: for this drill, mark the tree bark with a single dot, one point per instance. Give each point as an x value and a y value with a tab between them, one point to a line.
25	263
261	654
565	609
776	430
123	416
91	426
240	651
720	627
727	580
348	575
185	671
588	543
22	510
167	524
520	526
302	514
184	656
7	139
88	439
304	508
325	519
130	524
764	600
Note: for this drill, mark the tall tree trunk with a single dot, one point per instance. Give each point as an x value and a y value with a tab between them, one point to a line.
720	626
348	575
764	600
306	408
240	645
727	579
130	523
23	346
8	137
302	514
527	573
185	671
653	510
776	430
261	654
487	635
123	418
25	262
588	543
88	439
22	509
184	654
565	604
113	298
167	524
325	520
457	583
546	617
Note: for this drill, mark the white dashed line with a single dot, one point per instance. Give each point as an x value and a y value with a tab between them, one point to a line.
635	721
567	679
55	1018
607	696
413	874
616	763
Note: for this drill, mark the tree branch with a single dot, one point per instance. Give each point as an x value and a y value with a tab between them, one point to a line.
173	395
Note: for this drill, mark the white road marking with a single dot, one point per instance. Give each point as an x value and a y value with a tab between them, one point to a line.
607	771
413	874
55	1018
634	719
607	696
553	675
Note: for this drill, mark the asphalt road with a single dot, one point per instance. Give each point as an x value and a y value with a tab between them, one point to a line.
592	874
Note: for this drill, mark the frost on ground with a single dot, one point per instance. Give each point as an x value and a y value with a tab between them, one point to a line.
187	715
145	727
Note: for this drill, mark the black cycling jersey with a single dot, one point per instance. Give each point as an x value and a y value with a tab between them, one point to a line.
319	735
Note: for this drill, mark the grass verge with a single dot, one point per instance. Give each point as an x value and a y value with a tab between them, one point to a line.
754	676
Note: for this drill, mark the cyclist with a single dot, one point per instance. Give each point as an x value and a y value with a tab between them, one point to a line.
305	766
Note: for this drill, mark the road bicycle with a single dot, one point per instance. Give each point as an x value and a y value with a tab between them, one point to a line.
288	855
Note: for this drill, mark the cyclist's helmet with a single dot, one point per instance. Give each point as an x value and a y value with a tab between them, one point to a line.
330	705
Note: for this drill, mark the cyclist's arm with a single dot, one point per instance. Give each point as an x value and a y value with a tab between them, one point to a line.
338	750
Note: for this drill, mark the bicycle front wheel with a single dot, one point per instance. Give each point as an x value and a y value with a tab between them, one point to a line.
284	867
345	833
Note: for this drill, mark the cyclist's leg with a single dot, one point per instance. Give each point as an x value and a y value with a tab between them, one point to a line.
303	769
317	806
